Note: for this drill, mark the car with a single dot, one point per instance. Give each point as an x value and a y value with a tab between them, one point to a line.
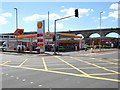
61	48
48	47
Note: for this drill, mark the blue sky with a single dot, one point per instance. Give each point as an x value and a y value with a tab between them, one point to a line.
31	12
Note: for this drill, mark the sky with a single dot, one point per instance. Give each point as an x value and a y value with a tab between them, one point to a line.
29	13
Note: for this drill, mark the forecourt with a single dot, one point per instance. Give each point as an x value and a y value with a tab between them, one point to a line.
69	70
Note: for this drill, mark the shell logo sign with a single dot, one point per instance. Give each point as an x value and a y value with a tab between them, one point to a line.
39	25
41	35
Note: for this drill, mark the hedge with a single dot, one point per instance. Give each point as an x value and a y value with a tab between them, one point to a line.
97	46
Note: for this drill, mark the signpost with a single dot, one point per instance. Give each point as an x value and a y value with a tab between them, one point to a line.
41	35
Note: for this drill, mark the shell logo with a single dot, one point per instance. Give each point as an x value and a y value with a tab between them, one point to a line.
39	25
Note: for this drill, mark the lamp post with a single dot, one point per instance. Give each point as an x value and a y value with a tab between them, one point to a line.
100	30
48	28
16	24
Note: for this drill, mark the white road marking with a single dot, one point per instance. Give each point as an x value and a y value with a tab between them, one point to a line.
6	74
40	85
11	76
17	77
31	82
24	80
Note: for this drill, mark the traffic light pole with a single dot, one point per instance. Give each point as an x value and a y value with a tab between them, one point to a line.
55	42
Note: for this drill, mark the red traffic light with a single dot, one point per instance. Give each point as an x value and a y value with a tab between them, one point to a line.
53	37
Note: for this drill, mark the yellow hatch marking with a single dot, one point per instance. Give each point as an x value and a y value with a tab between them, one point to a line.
44	64
23	62
72	66
6	62
72	74
95	65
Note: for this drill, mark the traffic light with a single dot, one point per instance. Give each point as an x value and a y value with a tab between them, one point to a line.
53	37
76	12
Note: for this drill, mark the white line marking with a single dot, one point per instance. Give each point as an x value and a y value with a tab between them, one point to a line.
40	85
24	80
31	82
17	77
11	76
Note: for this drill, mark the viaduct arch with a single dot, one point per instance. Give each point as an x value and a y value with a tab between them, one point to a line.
87	33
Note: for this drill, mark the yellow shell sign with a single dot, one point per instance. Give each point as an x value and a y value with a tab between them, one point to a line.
39	25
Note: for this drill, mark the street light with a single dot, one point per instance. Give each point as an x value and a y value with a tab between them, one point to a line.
100	29
16	24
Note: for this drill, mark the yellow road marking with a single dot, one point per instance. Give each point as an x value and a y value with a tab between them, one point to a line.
104	61
92	58
33	65
44	64
72	74
23	62
6	62
103	74
79	68
72	66
95	65
116	59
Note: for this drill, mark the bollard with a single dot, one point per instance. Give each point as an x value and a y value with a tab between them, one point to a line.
76	48
91	50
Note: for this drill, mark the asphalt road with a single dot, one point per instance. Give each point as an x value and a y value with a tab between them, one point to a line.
69	70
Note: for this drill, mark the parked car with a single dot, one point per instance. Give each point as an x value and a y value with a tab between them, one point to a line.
61	48
48	47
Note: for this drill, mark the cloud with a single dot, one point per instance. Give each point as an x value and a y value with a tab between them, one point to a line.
62	6
54	16
35	17
32	18
82	12
113	14
92	10
6	14
104	17
101	27
58	25
3	20
114	6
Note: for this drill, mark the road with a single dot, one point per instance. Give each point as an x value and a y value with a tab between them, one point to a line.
69	70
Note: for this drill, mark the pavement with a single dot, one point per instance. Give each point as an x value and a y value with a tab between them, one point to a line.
49	53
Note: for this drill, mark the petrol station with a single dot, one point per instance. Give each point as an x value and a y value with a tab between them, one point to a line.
67	41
